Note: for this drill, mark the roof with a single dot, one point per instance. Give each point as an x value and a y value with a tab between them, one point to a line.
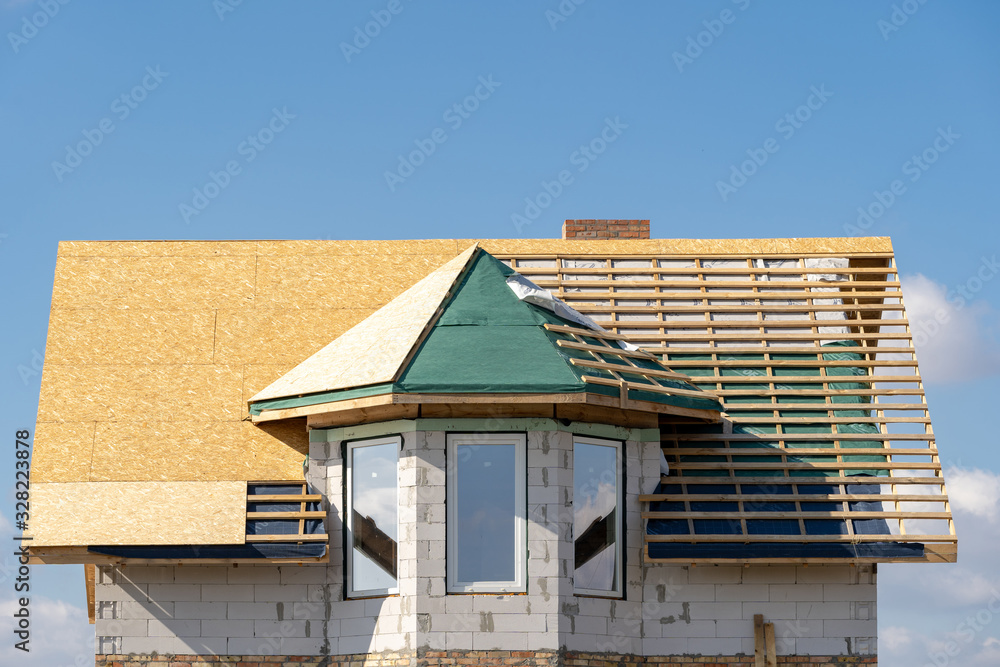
475	326
155	349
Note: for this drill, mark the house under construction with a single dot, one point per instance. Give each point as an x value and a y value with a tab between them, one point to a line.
598	450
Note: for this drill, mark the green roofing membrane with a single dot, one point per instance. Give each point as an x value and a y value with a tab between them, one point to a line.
855	378
487	340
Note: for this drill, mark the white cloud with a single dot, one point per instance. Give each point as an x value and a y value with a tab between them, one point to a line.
974	491
954	337
61	635
943	614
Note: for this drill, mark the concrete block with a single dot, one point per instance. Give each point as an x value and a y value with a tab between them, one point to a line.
769	574
849	592
355	644
287	628
796	592
715	574
251	610
740	629
357	626
712	611
175	592
714	645
142	609
303	574
227	628
121	628
665	646
824	574
152	574
279	592
253	574
124	591
195	574
821	646
199	610
842	628
459	604
254	646
174	628
308	611
797	627
500	641
396	641
227	592
823	610
516	622
694	593
769	609
458	641
742	593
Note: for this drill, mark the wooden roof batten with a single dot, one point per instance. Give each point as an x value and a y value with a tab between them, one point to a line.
757	329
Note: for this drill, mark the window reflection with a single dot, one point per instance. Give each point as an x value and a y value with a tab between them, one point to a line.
373	516
595	516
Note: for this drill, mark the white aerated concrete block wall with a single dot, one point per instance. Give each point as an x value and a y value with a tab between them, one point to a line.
667	610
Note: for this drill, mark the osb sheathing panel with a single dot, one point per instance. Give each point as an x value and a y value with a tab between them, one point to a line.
139	393
310	281
124	513
280	335
383	340
66	453
156	248
736	247
162	451
136	380
135	336
163	283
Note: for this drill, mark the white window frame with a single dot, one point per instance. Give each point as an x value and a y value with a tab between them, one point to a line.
349	516
619	448
519	441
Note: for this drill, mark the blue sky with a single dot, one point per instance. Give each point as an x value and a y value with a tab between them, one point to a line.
199	79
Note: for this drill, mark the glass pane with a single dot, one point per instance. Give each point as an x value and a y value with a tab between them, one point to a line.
373	520
595	522
486	512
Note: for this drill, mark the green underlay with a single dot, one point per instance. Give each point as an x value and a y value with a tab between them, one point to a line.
490	425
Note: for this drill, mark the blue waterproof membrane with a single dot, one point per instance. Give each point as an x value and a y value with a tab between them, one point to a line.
254	527
773	526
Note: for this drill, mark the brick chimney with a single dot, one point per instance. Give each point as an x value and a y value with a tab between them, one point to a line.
605	229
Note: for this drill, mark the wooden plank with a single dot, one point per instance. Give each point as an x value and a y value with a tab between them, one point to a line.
284	498
797	514
758	640
287	515
818	479
652	388
840	539
790	497
796	465
648	372
771	659
293	537
90	575
796	451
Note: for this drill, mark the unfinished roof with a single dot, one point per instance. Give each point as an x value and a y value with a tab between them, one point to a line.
155	349
475	326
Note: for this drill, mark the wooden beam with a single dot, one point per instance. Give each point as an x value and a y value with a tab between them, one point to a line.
90	575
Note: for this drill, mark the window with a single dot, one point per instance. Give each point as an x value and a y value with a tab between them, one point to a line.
597	521
372	524
486	513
